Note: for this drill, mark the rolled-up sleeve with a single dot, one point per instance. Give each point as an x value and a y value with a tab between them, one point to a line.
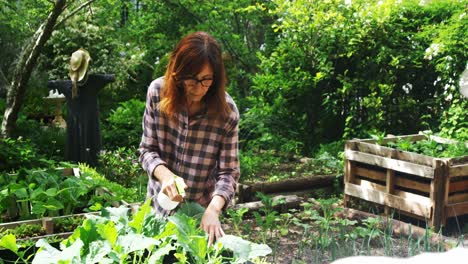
150	153
228	162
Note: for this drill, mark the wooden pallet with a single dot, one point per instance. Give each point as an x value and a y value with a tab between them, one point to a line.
420	186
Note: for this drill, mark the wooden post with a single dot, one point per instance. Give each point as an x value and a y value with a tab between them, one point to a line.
390	183
48	225
349	169
438	194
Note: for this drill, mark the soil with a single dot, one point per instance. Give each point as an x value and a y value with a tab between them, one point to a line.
298	245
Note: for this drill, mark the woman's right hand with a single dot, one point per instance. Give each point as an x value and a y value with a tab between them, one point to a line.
168	183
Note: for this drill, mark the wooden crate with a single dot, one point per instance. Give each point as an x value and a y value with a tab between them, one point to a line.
421	186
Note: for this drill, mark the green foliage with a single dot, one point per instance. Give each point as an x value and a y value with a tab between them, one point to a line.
122	166
49	141
431	148
46	192
24	231
337	71
17	153
454	122
116	237
123	126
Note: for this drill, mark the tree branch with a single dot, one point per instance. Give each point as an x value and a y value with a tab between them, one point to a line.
72	13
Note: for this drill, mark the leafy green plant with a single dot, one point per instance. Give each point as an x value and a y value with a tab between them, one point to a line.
236	217
431	148
267	217
46	192
122	166
123	126
24	231
16	153
143	238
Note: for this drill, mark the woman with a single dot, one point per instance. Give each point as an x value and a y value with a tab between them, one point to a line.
190	129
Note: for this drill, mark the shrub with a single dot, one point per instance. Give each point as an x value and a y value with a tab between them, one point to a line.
17	153
121	165
123	127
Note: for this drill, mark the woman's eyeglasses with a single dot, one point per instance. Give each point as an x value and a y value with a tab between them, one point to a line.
192	82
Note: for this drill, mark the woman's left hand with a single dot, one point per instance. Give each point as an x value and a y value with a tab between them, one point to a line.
211	224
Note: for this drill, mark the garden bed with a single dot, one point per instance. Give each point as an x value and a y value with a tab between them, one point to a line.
42	200
421	186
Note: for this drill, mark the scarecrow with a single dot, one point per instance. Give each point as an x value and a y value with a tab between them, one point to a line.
81	92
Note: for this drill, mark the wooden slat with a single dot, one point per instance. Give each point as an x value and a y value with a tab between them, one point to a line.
415	158
459	186
458	198
397	154
371	174
12	225
458	171
414	207
402	194
411	184
414	137
399	181
457	209
397	165
445	140
458	161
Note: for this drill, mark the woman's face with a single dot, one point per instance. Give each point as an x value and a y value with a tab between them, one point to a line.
197	86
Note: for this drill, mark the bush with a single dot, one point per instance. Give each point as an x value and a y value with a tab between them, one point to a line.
121	166
340	70
49	141
18	153
123	127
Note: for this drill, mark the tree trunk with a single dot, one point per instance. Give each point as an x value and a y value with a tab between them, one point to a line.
23	70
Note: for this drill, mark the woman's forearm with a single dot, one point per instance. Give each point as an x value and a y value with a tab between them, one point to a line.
217	204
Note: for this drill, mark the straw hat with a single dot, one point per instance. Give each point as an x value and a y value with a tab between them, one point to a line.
79	63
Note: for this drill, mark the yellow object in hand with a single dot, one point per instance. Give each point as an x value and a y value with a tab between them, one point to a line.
180	185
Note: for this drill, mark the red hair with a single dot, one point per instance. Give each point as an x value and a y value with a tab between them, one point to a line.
187	59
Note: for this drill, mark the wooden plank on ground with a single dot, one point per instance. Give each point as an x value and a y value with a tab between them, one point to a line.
388	163
414	207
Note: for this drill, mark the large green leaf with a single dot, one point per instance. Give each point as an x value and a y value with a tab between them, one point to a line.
119	214
192	209
198	245
136	242
138	219
46	253
244	249
9	242
160	253
108	231
97	251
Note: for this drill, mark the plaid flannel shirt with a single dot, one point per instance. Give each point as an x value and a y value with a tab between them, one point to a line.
203	152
